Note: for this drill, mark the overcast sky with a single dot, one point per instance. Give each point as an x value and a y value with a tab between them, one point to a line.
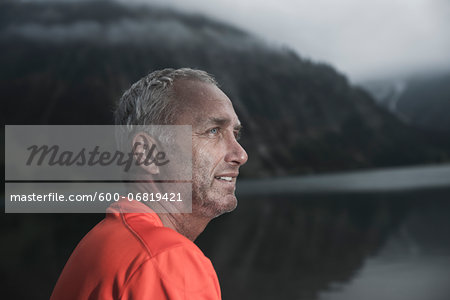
364	39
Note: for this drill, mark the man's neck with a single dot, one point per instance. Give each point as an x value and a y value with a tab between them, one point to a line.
186	224
191	225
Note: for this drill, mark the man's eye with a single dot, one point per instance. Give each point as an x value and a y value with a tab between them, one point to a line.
237	135
214	130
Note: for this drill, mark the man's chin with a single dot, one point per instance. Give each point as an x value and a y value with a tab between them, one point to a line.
228	204
218	206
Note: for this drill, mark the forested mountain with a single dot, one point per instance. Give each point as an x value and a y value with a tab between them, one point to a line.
426	103
68	63
422	101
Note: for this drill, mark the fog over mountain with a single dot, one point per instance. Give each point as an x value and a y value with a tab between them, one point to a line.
422	101
68	63
365	40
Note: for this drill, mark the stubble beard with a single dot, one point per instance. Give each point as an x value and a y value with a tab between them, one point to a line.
207	200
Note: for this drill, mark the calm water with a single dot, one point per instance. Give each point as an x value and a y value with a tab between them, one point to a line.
343	236
413	264
378	180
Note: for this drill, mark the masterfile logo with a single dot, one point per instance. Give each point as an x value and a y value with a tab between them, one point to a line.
96	152
87	168
55	156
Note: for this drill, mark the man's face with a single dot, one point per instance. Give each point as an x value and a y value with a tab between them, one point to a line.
216	154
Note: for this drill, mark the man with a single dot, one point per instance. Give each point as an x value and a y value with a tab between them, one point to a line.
152	255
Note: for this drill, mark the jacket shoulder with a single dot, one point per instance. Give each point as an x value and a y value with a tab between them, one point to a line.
155	239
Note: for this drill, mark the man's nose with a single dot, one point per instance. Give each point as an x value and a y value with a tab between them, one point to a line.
236	155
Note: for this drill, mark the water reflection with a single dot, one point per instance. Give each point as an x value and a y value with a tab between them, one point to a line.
351	246
414	264
345	246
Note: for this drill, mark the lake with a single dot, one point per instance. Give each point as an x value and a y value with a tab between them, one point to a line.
382	234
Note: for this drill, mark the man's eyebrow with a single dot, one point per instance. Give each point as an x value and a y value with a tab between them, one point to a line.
223	122
217	121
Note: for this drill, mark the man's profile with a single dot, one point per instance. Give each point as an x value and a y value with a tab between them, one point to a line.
152	255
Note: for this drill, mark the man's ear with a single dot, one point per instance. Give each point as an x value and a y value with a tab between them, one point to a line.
144	149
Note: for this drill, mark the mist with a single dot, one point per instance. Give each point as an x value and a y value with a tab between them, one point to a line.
363	39
49	25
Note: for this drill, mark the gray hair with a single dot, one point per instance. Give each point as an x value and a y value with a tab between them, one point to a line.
150	100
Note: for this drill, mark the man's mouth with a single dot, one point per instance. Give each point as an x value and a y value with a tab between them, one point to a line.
228	177
224	178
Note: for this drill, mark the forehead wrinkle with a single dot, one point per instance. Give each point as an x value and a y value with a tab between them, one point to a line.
202	99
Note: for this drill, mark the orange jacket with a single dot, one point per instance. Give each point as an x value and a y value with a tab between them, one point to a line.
132	256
